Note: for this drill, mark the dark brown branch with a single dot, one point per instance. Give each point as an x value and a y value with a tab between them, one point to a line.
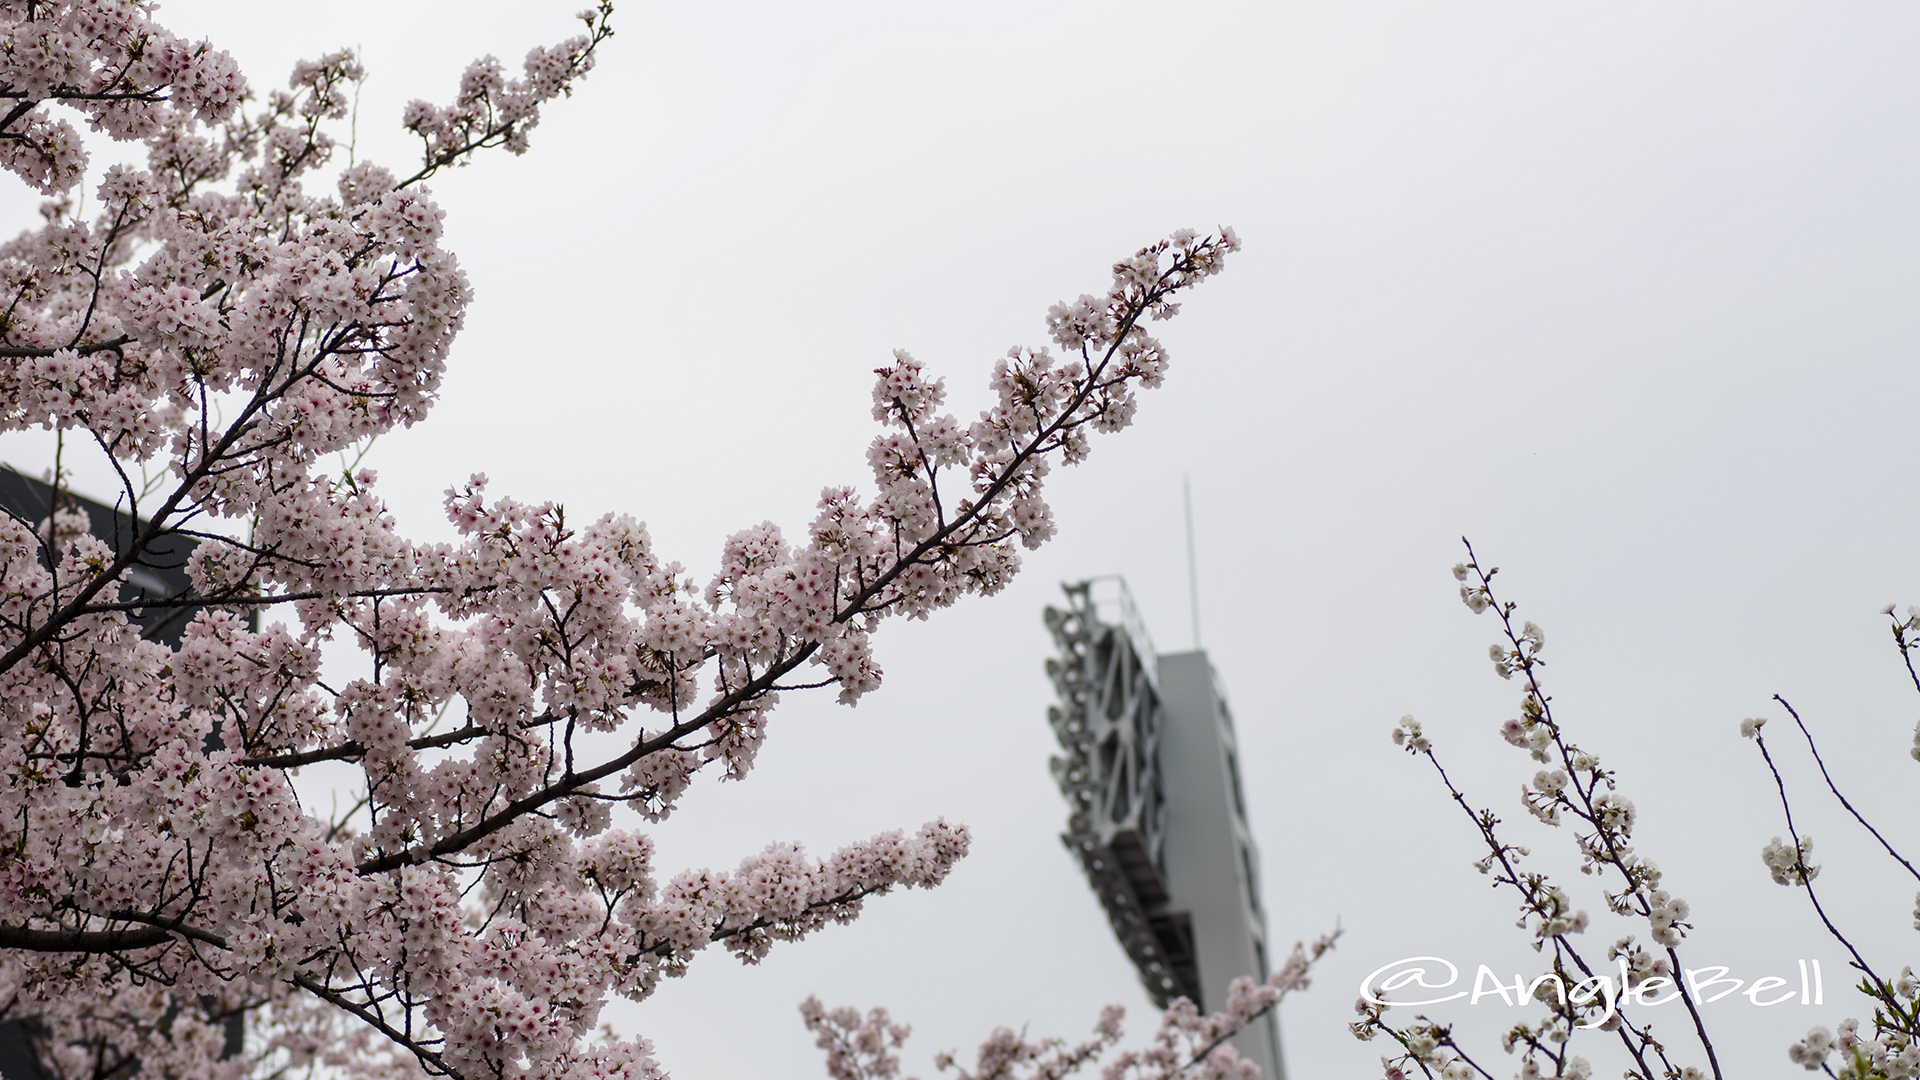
1804	872
1815	751
347	750
371	1019
82	941
69	93
12	352
249	601
157	931
572	782
26	106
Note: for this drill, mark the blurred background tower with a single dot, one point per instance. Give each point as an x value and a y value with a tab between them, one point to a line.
160	574
1156	814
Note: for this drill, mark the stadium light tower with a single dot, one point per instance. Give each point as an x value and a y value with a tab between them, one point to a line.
1156	813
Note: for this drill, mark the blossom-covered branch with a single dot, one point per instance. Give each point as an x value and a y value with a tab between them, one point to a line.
1187	1046
1892	1050
235	311
1578	993
1576	786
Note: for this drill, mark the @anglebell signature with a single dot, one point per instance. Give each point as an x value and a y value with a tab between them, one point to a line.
1414	971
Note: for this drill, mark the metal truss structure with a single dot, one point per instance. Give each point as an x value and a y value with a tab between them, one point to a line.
1109	721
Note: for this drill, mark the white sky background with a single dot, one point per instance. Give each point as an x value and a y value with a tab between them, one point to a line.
1623	292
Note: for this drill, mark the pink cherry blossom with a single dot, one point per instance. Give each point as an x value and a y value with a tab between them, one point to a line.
235	310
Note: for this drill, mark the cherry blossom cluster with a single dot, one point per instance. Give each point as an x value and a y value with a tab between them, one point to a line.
231	314
1893	1056
1005	1054
1428	1047
492	111
109	63
1790	865
1572	786
858	1047
1569	786
1187	1046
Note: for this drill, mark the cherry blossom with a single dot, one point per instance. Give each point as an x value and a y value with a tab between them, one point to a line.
1582	992
232	313
1187	1046
1574	789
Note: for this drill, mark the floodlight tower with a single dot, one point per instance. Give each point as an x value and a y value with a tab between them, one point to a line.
1156	813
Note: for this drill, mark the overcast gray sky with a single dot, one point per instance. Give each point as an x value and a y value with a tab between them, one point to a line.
1624	292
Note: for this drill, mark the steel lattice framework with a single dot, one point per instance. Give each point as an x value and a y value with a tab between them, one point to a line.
1108	722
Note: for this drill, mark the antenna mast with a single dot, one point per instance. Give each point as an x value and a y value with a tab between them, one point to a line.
1193	571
